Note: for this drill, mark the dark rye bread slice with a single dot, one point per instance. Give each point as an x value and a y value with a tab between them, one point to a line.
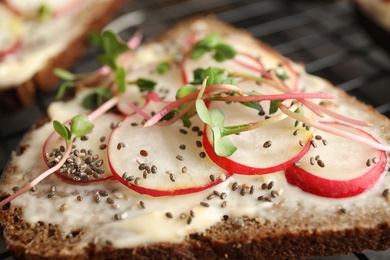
293	233
22	95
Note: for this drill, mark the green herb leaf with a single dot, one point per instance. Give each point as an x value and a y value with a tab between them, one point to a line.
64	74
185	90
163	67
62	90
198	79
224	52
217	76
44	12
120	78
62	130
145	84
299	111
282	75
186	121
80	125
274	106
213	42
215	119
96	98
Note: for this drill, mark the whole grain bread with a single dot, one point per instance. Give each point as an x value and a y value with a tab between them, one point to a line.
291	230
17	96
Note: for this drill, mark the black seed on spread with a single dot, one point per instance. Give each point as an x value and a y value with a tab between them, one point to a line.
198	143
324	142
317	157
121	145
182	147
184	169
50	195
102	146
243	191
195	129
223	195
180	157
212	178
84	138
318	137
268	199
313	144
103	193
202	154
200	133
142	204
192	213
216	193
142	166
260	198
386	192
130	178
264	186
343	210
252	189
172	177
301	143
312	161
79	198
137	181
169	215
296	132
102	139
189	220
223	205
267	144
321	163
204	204
211	196
110	200
375	160
97	198
368	162
153	169
143	153
270	185
234	186
134	124
274	194
183	131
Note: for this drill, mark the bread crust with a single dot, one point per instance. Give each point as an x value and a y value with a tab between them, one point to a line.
298	236
16	97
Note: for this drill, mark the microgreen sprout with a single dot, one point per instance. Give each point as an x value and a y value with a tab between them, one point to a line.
213	42
79	126
163	67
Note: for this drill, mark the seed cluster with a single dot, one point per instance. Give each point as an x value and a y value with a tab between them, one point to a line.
81	165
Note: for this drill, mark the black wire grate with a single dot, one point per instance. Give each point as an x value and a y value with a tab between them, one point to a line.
321	33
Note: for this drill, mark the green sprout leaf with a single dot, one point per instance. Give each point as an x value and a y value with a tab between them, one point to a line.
80	125
216	76
62	89
213	42
64	74
120	78
145	84
215	119
299	111
282	75
163	67
185	90
96	98
44	12
62	130
274	106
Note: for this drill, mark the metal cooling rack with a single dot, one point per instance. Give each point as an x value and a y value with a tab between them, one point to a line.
321	33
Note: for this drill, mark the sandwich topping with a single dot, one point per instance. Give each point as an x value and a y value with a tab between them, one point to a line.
207	131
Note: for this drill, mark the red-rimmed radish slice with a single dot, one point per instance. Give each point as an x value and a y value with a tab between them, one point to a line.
9	33
32	8
161	161
88	160
263	150
356	168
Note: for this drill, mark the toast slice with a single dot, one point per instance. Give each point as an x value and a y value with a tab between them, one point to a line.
40	41
265	213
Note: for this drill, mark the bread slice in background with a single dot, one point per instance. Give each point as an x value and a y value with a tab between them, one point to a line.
292	227
30	68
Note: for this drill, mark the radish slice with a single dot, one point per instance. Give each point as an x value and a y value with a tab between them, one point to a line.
9	33
253	156
91	165
356	169
161	161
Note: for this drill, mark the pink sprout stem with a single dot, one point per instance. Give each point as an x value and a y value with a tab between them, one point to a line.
333	130
103	108
277	97
39	178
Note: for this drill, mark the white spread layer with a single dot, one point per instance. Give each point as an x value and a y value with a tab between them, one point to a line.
147	225
43	40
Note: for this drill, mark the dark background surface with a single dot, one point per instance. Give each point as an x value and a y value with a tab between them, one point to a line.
323	34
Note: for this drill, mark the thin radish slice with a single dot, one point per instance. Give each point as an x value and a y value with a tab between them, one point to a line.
356	169
161	161
263	150
88	160
9	33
